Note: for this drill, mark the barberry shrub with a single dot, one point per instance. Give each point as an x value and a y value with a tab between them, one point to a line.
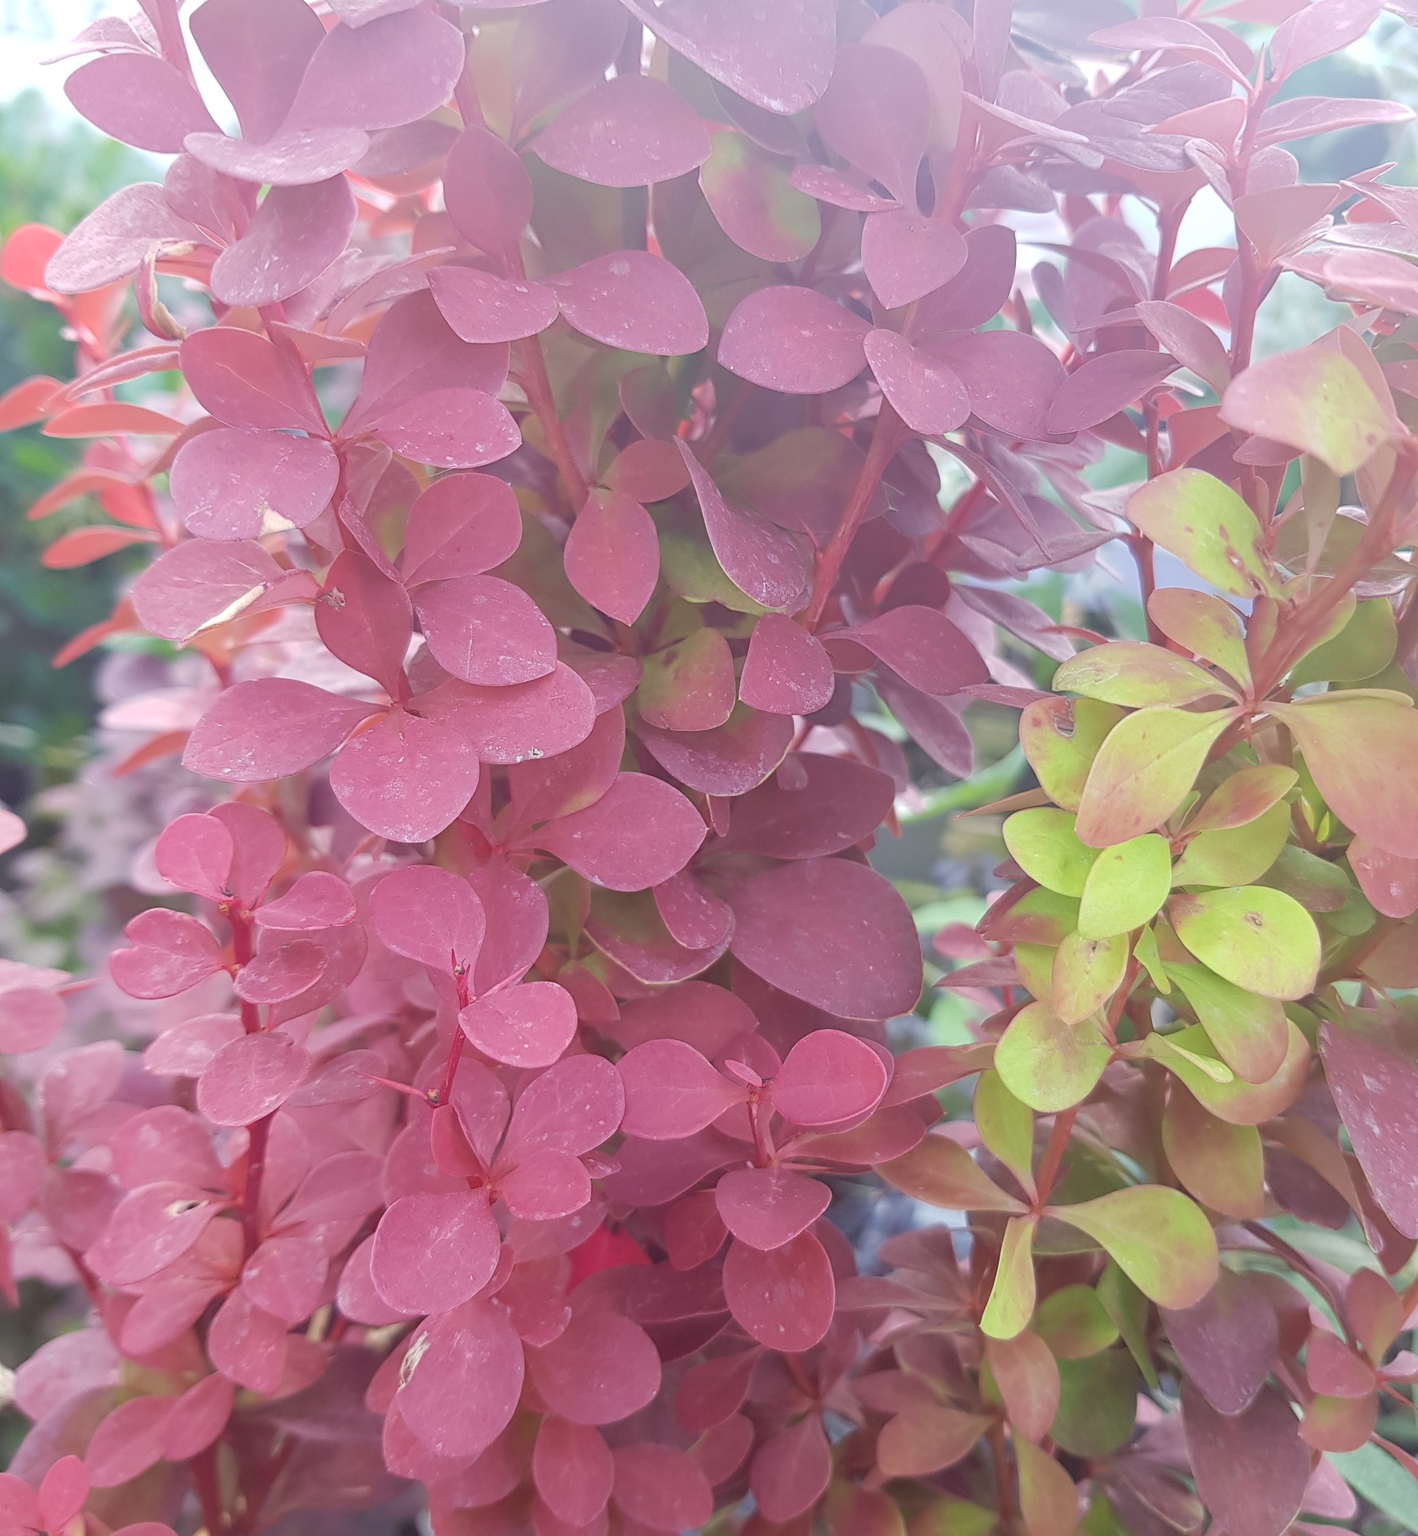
549	492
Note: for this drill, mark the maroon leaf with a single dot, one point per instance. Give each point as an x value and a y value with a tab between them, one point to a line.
661	1488
225	483
1251	1468
694	916
246	381
573	1470
767	1207
268	729
485	630
728	761
640	832
612	555
671	1091
434	1251
430	915
1227	1342
924	393
626	132
633	300
906	255
784	1297
482	307
1105	385
923	647
462	525
296	233
838	803
828	1078
1011	379
791	1470
830	932
487	193
526	720
876	113
365	619
602	1368
794	340
786	671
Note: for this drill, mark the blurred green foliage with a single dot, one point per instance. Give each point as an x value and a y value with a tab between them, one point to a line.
49	174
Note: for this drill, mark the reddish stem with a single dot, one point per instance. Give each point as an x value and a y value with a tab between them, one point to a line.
540	398
1059	1134
204	1478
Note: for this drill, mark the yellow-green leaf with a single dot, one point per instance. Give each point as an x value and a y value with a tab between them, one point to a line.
1047	1064
1086	973
1125	887
1249	1031
1042	842
1158	1237
1185	1051
1257	938
1048	1500
1222	1165
1143	772
1363	648
1061	738
1235	855
1040	916
941	1172
1247	794
1006	1127
1133	673
1207	526
1073	1323
1011	1302
1151	960
1205	626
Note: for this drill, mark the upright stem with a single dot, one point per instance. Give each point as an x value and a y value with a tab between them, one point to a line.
1053	1153
260	1138
539	397
886	439
204	1478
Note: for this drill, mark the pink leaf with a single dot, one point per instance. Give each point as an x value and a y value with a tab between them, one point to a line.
482	307
906	255
22	1169
1011	379
269	729
572	1469
767	1207
786	670
128	1441
250	1078
450	428
140	100
791	1470
640	832
571	780
295	157
357	1297
829	1077
487	193
62	1491
462	525
316	900
462	1378
197	584
602	1368
545	1185
365	619
198	1417
517	914
784	1298
671	1091
530	1026
225	482
405	778
247	1344
281	972
1389	881
527	720
246	381
30	1017
260	848
150	1229
164	1144
762	560
923	647
1105	385
633	300
572	1107
612	555
432	1252
195	854
794	340
876	114
259	81
924	393
115	238
429	915
661	1488
832	933
174	952
694	916
414	354
486	631
295	234
187	1049
626	132
727	761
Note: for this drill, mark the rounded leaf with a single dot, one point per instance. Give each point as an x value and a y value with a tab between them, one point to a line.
1256	938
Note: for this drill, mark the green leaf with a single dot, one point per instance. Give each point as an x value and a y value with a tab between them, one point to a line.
1315	883
1205	625
1036	969
1047	1064
1249	1031
1085	974
1129	1309
1158	1237
1097	1403
688	686
1207	526
1376	1476
1230	1099
1125	887
952	1517
1222	1165
1048	1501
783	223
1006	1127
1074	1323
1260	939
1363	648
1360	749
1235	855
1315	400
1151	960
1246	795
1042	842
1133	673
941	1172
1011	1302
1061	738
1143	771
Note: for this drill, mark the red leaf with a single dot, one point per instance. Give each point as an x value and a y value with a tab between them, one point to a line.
281	972
248	1345
82	546
285	1276
198	584
671	1091
295	234
260	848
647	471
783	1298
661	1488
767	1207
429	915
246	381
925	394
794	340
694	916
433	1252
62	1491
906	255
250	1078
612	555
225	482
837	804
406	778
174	952
450	428
832	933
626	132
487	193
28	401
602	1368
486	631
530	1026
30	1018
640	832
150	1229
545	1185
365	619
316	900
827	1078
482	307
786	671
633	300
195	854
527	720
573	1470
462	525
1011	379
461	1389
1389	881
